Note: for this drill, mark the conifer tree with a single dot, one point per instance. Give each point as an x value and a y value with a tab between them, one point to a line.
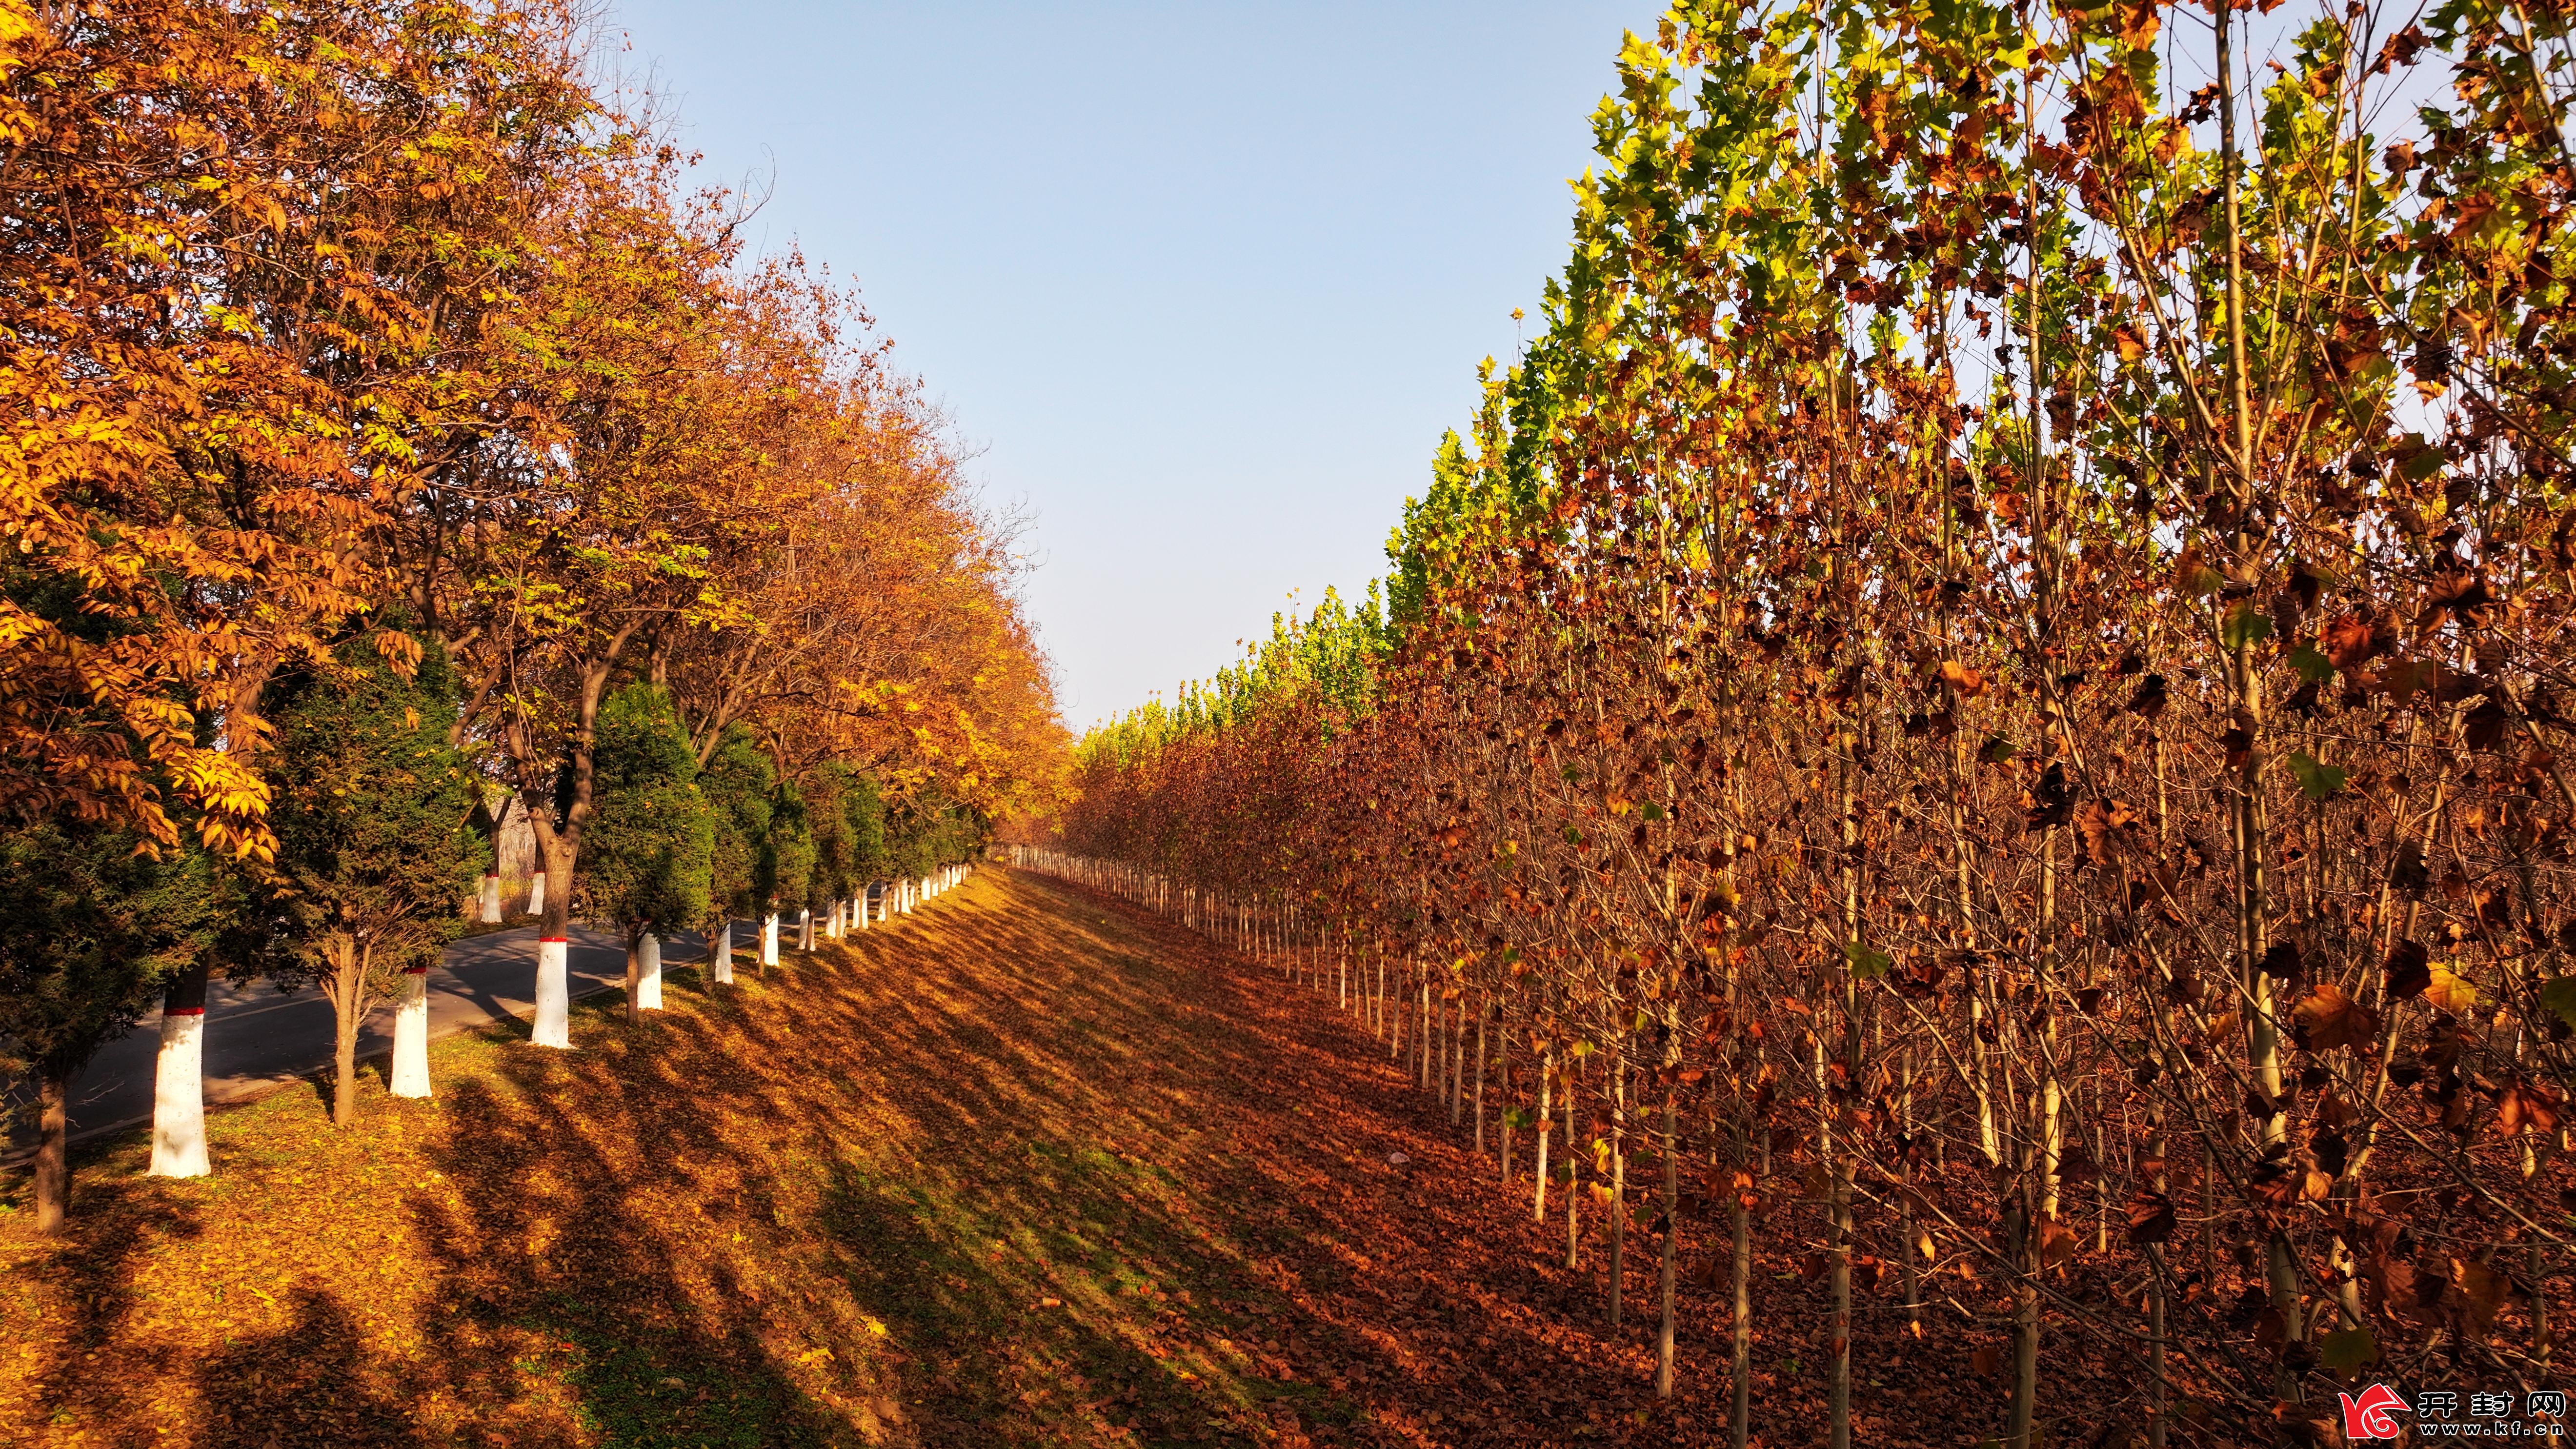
649	859
93	930
374	850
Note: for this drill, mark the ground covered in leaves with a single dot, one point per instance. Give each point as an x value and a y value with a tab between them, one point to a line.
1030	1167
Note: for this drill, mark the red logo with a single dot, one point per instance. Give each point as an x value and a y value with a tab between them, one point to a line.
2372	1416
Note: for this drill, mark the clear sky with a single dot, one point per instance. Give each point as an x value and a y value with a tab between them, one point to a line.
1200	283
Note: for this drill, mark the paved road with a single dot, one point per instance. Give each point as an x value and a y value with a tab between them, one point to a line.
257	1038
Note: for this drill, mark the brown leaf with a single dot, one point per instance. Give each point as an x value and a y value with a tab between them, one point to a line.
2057	1243
2479	1293
1968	682
2409	970
2346	643
2148	700
2326	1019
2151	1218
2524	1104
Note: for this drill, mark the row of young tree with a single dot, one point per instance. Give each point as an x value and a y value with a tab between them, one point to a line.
396	443
1981	711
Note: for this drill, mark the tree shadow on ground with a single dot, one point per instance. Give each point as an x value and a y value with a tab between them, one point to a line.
1029	1167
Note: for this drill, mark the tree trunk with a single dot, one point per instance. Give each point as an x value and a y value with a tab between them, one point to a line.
1740	1425
1483	1009
178	1080
1618	1181
53	1155
2156	1345
347	988
410	1077
1672	1243
1430	1033
634	971
2023	1228
1573	1185
648	986
1546	1085
554	943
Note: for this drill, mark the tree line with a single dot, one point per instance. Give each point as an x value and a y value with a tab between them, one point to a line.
1979	713
396	443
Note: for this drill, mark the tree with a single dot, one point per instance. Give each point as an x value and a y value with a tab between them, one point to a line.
863	818
650	857
96	924
374	850
787	859
740	786
326	185
2011	600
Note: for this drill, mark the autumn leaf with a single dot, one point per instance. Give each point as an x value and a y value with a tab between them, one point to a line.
1968	682
2346	642
2326	1019
2449	991
2408	969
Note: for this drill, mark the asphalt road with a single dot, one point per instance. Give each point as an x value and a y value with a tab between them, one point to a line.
258	1038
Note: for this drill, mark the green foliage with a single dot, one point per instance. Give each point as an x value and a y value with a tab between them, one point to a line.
1332	655
738	784
863	818
2316	781
927	829
835	851
371	813
648	856
91	934
2559	998
2347	1350
787	851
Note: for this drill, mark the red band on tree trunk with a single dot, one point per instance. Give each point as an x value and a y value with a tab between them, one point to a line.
183	1011
541	940
415	970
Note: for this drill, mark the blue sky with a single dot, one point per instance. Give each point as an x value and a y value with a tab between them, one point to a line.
1200	284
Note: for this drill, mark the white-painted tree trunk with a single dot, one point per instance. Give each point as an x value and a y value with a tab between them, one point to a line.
537	894
723	955
859	910
805	930
491	898
179	1096
769	940
411	1032
554	992
648	973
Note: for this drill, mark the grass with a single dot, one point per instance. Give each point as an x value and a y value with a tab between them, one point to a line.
1028	1168
920	1188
